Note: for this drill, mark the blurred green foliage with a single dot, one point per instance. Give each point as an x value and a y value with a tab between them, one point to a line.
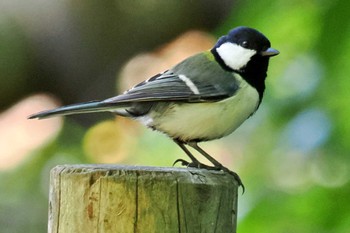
301	169
296	164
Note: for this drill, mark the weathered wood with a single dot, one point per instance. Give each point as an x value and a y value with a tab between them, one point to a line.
123	199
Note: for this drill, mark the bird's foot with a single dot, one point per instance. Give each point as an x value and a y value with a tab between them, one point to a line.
182	162
197	164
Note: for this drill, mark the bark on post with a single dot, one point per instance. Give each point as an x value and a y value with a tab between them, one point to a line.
123	199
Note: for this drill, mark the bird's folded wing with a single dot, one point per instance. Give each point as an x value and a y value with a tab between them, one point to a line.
173	87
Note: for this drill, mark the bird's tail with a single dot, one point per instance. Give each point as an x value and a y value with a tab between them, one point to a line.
88	107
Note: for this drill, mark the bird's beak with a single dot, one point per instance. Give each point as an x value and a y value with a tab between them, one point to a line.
270	52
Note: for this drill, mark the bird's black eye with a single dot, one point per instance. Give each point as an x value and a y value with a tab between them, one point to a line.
245	44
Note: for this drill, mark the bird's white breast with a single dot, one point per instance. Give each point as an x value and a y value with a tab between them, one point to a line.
205	121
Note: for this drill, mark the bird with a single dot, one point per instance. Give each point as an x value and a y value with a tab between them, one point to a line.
206	96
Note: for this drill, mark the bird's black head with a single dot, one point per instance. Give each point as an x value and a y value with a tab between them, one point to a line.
240	45
245	51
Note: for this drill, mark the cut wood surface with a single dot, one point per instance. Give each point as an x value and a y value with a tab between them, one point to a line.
133	199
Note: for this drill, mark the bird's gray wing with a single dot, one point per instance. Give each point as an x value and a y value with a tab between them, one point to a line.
184	83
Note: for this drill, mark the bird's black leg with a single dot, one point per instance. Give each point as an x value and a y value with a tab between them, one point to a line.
195	163
217	165
188	153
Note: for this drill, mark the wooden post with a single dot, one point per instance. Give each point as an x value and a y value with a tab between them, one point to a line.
123	199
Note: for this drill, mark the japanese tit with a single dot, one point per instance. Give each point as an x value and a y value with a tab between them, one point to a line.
204	97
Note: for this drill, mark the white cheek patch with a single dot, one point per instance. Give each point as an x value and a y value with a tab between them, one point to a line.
235	56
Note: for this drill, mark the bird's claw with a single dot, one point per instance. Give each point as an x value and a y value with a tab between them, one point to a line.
182	161
195	164
236	176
